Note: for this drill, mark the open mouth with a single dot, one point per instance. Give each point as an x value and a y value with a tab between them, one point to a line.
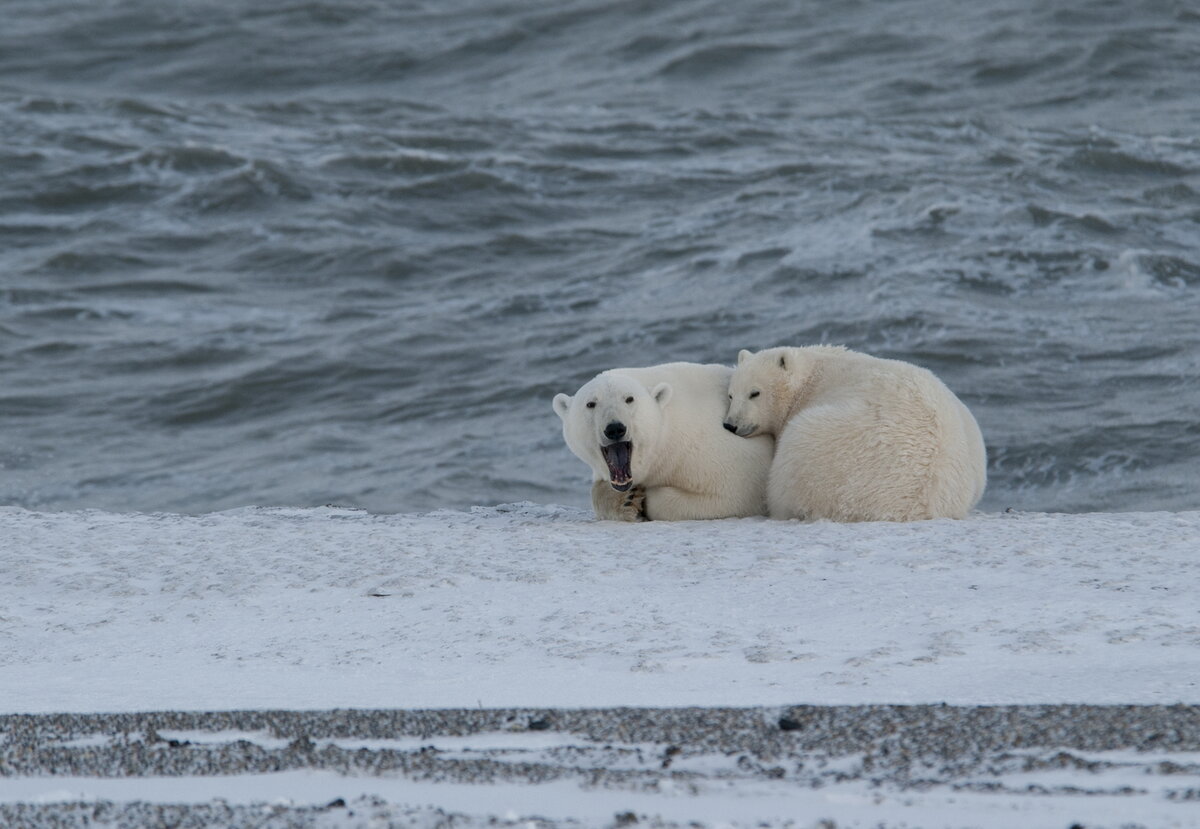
619	456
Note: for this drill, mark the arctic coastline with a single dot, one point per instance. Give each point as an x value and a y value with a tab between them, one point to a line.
543	610
527	604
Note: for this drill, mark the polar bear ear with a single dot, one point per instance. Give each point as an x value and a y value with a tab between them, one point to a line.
562	405
661	393
742	355
782	362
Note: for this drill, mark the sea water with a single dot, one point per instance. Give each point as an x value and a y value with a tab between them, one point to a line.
304	253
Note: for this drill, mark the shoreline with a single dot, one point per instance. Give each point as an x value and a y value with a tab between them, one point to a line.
917	766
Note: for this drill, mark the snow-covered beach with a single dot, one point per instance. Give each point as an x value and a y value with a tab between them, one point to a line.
523	605
531	607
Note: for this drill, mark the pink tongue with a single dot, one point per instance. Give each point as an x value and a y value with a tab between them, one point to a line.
618	457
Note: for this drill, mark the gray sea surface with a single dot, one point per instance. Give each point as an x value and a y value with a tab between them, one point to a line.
346	252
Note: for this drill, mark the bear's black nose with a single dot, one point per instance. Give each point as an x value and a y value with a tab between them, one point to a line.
730	427
614	430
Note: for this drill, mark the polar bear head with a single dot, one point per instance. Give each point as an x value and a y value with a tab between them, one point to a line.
758	392
614	423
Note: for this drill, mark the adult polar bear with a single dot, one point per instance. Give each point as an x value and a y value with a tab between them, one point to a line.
654	439
858	438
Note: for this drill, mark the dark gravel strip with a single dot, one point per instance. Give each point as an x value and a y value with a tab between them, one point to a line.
928	730
630	749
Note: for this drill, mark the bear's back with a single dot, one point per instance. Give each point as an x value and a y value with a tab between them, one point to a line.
889	438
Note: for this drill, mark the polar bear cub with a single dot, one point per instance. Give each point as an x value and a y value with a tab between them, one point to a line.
654	440
858	438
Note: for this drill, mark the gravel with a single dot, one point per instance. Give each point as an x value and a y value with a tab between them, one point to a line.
888	748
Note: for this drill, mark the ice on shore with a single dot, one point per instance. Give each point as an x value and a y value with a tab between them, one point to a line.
533	605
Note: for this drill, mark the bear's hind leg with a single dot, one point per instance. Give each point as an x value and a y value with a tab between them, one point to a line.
669	503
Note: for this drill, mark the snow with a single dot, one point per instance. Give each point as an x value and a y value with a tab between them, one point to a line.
528	605
856	804
535	606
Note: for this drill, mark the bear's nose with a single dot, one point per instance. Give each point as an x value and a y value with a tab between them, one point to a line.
730	427
614	430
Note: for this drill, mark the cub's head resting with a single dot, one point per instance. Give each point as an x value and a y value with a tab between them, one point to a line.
613	423
757	391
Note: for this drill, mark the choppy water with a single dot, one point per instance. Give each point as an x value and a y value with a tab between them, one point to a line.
302	253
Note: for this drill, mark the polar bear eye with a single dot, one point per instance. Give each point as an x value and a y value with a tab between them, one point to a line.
591	404
753	395
628	399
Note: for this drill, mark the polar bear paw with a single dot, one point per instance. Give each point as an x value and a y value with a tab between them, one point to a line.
635	502
611	505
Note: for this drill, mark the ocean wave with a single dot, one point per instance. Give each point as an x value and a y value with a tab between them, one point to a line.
1110	161
67	194
189	159
303	380
1088	222
707	60
250	187
401	163
90	262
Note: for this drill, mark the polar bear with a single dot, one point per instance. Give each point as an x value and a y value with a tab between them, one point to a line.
858	438
654	440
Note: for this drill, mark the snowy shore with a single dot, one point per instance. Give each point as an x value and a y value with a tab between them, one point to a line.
541	611
527	605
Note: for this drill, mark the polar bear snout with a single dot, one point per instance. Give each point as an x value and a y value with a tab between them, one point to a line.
615	430
740	431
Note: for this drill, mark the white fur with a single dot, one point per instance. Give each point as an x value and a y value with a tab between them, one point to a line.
858	438
688	465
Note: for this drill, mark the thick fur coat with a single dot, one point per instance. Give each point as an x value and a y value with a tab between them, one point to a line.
858	438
